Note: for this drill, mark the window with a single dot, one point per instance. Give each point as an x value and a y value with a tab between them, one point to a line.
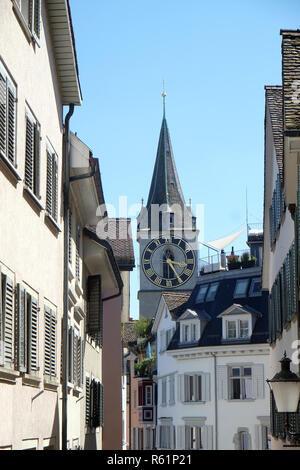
194	440
148	395
237	329
27	331
201	293
186	331
166	436
30	11
50	343
32	154
194	332
75	358
6	321
255	288
134	398
193	387
8	96
241	288
164	392
212	292
241	383
244	441
94	403
172	390
52	184
95	309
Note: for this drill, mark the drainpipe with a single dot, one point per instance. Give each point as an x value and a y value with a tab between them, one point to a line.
65	336
216	400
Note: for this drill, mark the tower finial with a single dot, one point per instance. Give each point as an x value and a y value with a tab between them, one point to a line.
164	97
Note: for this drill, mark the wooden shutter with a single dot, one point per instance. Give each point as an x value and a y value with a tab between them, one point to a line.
29	153
1	322
77	260
8	321
33	336
101	405
53	344
180	384
258	381
49	183
207	437
180	437
11	125
70	236
293	279
37	139
187	437
47	342
206	387
37	18
87	401
75	359
22	330
288	284
3	104
95	309
71	354
81	365
95	401
54	186
222	382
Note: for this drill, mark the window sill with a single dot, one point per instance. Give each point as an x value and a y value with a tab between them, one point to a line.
34	198
31	380
242	400
51	383
10	167
194	402
9	374
49	218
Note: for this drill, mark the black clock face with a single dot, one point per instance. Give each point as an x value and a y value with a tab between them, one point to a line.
168	262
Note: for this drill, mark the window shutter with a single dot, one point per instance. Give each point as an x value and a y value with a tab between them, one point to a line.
180	438
222	382
11	125
258	437
207	436
37	138
81	368
30	14
47	342
77	261
8	321
180	383
2	114
33	335
22	330
206	387
49	188
1	323
294	279
95	309
29	154
187	437
87	401
158	438
70	236
75	359
54	186
71	354
37	18
101	405
288	284
258	381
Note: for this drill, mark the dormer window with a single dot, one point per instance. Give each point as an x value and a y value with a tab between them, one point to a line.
238	323
212	291
192	325
241	288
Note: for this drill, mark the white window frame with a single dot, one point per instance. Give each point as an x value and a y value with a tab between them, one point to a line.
242	380
238	328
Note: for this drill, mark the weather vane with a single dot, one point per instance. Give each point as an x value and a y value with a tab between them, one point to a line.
164	95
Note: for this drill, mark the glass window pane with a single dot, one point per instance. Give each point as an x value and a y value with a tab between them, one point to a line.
201	293
235	372
244	330
247	371
231	329
236	389
212	292
241	288
248	387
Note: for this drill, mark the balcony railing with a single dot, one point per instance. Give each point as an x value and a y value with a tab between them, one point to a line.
221	261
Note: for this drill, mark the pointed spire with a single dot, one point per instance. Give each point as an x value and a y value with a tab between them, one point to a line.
165	186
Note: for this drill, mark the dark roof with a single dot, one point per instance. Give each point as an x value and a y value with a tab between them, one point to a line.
176	302
212	335
119	236
290	77
129	333
97	179
274	102
165	186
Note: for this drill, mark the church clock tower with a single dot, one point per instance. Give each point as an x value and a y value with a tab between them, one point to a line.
166	233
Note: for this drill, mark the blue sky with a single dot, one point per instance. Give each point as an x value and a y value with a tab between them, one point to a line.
216	57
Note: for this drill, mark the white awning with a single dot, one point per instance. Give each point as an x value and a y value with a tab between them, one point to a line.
222	243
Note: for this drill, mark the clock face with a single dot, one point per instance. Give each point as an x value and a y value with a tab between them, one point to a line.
168	262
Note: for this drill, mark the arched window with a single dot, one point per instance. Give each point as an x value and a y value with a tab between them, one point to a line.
168	272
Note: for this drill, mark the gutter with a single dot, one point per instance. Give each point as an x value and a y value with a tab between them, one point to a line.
65	336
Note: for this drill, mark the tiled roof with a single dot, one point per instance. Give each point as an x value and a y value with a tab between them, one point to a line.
274	102
119	236
176	301
129	333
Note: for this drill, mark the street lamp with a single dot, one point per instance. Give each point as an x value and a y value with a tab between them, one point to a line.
285	386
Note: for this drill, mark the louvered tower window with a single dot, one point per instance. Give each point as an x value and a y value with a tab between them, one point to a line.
7	116
32	154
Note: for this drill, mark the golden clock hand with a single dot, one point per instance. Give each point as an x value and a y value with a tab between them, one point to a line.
170	264
182	264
